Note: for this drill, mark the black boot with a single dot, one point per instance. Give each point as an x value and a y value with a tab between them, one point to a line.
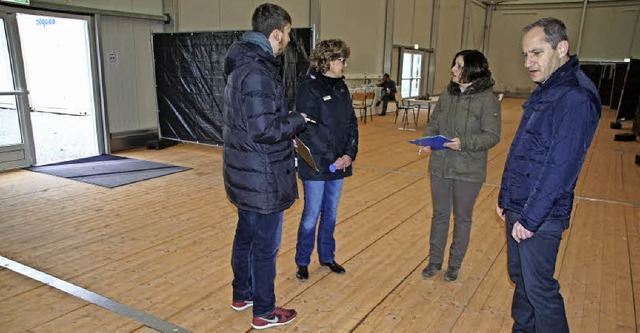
302	273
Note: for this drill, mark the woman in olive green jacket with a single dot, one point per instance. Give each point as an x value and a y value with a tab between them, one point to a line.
468	113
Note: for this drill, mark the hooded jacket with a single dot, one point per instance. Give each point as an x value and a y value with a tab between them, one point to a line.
473	116
335	133
556	129
258	156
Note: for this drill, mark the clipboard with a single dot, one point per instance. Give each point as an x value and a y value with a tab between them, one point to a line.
305	153
435	142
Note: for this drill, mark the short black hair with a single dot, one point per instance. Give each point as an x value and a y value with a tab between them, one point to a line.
268	17
554	30
475	67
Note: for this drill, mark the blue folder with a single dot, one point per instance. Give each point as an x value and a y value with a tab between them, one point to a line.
435	142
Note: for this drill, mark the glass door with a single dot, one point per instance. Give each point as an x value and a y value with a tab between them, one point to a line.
411	74
16	138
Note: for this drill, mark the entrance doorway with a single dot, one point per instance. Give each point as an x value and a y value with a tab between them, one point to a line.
47	103
57	63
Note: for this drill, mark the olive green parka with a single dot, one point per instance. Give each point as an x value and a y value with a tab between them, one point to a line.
474	117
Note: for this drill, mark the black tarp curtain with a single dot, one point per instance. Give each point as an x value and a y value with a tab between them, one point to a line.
190	80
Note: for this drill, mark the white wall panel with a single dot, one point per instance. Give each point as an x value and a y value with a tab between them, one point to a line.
403	22
412	22
129	80
449	40
198	15
474	37
152	7
147	103
360	23
505	44
607	32
217	15
299	11
148	7
236	15
635	46
423	19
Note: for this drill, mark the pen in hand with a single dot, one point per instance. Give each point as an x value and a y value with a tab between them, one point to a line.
307	119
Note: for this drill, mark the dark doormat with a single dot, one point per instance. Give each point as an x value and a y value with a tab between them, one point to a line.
108	170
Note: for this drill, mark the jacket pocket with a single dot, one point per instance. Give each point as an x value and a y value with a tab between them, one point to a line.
284	176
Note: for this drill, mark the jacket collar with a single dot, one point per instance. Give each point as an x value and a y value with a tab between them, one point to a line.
547	91
328	81
477	85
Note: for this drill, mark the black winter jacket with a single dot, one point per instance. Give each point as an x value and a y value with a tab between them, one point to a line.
335	133
258	157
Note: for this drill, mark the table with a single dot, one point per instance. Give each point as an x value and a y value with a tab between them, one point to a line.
420	103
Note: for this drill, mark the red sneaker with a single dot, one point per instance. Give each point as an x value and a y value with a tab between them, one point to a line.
277	317
241	305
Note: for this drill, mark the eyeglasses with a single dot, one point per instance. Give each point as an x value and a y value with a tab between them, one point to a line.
342	60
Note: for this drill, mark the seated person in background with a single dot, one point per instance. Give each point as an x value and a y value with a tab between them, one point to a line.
388	92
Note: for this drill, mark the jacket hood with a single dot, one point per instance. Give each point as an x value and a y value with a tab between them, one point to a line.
477	85
253	47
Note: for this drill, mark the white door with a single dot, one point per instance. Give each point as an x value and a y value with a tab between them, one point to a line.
16	139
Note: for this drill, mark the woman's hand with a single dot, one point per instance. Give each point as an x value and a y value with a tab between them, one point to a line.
454	144
342	162
423	149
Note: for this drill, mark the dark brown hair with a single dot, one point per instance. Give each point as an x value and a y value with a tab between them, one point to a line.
268	17
476	65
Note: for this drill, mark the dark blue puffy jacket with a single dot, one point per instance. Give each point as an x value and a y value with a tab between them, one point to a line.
258	157
557	125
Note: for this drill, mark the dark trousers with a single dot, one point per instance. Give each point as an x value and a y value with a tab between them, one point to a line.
537	304
385	101
460	196
253	259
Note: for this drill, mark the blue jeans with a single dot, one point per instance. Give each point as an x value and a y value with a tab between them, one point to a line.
537	304
320	200
253	259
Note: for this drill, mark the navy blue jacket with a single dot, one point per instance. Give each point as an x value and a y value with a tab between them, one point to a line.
556	129
335	133
258	157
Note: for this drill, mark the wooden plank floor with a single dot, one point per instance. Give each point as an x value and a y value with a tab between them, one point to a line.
163	246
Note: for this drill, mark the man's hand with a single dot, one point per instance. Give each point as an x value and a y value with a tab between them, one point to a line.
519	233
500	212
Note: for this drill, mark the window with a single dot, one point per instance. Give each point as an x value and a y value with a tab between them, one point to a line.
411	74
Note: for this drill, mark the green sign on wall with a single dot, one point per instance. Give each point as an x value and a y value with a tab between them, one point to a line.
24	2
